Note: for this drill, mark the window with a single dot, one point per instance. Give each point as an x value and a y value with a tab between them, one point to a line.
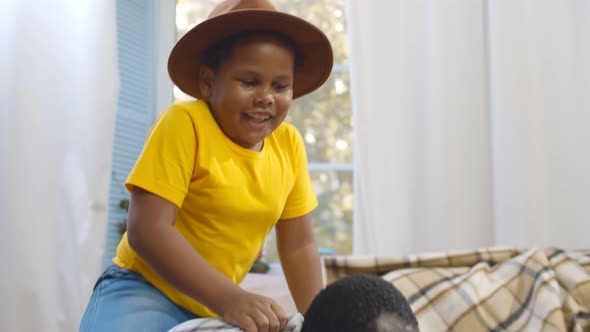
135	114
324	119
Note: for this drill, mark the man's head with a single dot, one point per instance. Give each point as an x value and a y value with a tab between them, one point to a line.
360	303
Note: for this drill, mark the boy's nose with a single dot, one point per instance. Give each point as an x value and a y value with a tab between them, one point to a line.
264	98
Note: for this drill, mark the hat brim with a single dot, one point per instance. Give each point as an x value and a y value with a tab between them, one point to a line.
186	57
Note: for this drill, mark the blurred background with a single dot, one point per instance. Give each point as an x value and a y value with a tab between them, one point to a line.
445	125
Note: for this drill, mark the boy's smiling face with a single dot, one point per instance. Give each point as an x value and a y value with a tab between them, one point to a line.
251	91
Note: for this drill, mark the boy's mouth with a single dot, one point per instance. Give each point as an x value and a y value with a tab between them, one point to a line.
257	117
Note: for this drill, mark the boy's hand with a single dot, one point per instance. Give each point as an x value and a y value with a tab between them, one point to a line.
254	313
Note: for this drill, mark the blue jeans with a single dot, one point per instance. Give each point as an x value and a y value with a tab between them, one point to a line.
123	300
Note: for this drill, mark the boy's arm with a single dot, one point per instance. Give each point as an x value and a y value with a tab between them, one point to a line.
300	260
152	235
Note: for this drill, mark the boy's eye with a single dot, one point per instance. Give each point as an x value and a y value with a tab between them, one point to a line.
248	82
280	86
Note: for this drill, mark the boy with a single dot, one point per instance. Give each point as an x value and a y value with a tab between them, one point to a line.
216	175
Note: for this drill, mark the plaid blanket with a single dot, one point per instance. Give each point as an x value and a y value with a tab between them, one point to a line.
495	289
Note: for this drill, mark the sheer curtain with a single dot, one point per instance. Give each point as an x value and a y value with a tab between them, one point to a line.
58	95
472	122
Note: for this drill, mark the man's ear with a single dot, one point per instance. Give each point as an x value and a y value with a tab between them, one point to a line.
206	76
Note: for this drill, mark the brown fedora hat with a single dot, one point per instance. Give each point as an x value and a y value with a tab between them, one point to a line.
236	16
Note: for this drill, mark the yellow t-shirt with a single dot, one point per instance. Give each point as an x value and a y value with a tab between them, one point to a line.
229	197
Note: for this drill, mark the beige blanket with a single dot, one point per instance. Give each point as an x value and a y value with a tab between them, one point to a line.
498	289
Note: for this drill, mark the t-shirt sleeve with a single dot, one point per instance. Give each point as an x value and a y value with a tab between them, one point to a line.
165	166
302	198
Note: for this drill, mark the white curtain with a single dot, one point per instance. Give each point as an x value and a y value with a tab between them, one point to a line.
58	96
472	122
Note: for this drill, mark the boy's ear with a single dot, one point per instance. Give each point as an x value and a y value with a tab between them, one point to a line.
206	76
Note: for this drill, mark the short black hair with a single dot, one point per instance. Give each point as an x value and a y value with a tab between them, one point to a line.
360	303
219	52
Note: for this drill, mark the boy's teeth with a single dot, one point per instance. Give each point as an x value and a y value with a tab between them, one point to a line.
258	117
